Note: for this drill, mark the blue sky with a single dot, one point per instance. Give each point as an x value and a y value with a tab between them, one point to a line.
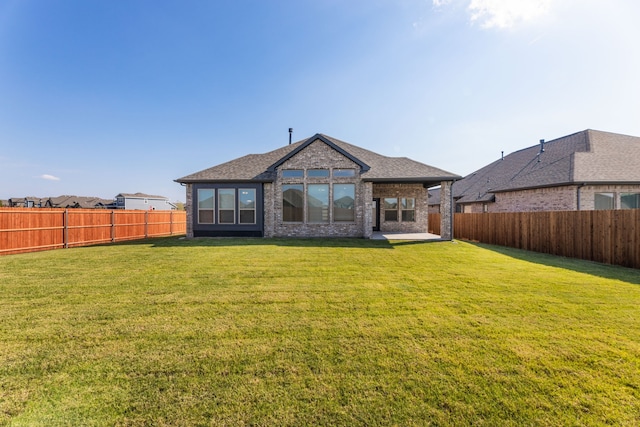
103	97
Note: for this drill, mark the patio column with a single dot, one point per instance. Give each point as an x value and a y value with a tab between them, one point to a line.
367	217
446	211
189	208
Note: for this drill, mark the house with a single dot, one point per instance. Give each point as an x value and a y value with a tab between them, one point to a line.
77	202
584	171
141	201
317	187
27	202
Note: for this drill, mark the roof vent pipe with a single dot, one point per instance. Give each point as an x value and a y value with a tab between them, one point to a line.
290	132
502	155
542	145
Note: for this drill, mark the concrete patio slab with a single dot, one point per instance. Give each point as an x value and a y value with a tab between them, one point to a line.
377	235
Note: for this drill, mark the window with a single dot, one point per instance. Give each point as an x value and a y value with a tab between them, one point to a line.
408	207
340	173
226	206
292	203
603	201
318	203
390	209
344	199
205	205
318	173
630	201
247	205
292	173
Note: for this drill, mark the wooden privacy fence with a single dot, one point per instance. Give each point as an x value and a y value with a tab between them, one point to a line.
37	229
611	236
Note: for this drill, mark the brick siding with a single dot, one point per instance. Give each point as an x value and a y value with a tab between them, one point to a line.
416	191
563	198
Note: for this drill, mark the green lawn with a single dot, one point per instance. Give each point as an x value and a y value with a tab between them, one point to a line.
316	332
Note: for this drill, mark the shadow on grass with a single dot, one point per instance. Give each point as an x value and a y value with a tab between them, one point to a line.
616	272
284	242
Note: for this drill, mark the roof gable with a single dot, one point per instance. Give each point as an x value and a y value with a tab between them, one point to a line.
363	166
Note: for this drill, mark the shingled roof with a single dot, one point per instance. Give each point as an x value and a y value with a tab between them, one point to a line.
374	167
587	157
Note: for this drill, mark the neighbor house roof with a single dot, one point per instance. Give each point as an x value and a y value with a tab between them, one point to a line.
587	157
140	196
374	167
77	202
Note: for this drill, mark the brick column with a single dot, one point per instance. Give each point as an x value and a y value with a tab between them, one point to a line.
367	219
446	211
189	208
269	203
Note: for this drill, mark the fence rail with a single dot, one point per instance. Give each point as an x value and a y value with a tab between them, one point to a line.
36	229
611	236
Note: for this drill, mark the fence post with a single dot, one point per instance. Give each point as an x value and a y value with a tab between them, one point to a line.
170	223
113	226
65	234
146	224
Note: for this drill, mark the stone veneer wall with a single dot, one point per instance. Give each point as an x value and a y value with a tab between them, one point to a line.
417	191
318	155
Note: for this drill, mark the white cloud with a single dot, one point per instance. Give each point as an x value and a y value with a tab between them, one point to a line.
501	13
49	177
506	13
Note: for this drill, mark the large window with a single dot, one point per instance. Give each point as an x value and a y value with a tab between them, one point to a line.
292	173
318	173
630	201
247	205
226	206
318	203
292	203
408	206
604	201
344	200
340	173
390	209
205	205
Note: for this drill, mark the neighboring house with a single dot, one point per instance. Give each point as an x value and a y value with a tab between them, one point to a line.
141	201
77	202
584	171
317	187
27	202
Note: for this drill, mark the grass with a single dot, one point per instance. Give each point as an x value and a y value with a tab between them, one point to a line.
316	332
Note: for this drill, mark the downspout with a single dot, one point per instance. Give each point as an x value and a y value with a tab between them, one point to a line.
578	194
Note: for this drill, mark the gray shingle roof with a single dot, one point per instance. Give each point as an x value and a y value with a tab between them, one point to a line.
585	157
256	167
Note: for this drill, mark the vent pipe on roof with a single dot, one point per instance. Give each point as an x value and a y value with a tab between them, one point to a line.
541	149
502	155
290	132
